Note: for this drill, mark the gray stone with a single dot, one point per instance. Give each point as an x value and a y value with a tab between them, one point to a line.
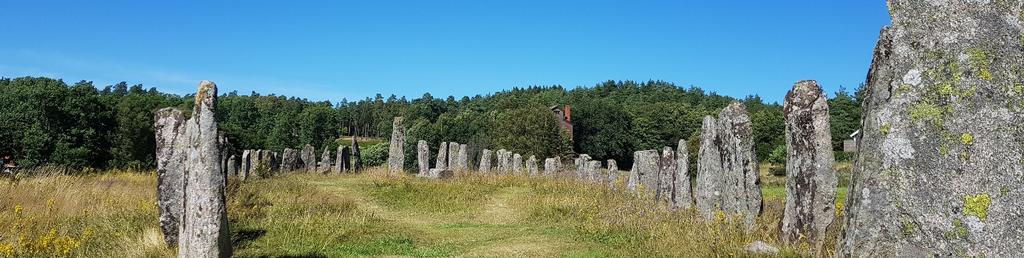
462	158
941	150
442	157
325	162
170	169
666	176
517	163
396	152
644	174
531	166
727	170
308	157
204	224
423	157
682	197
246	166
289	160
232	166
581	167
550	167
612	176
485	161
340	160
761	248
357	156
504	161
592	170
437	173
810	177
453	153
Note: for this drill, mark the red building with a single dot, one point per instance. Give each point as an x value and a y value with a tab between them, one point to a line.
564	117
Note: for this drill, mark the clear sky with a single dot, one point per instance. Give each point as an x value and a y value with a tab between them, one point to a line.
354	49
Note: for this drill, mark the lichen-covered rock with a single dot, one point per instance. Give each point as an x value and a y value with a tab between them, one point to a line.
423	157
442	157
727	169
485	161
644	173
246	166
340	159
810	177
682	197
550	168
453	156
204	225
612	177
592	169
170	170
232	166
396	151
357	156
462	157
531	166
941	157
517	163
504	161
325	161
666	176
581	167
289	160
308	157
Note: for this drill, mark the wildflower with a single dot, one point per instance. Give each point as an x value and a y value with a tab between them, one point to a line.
17	209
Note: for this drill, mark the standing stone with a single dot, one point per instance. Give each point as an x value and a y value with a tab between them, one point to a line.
453	153
644	174
727	178
517	163
423	157
442	157
682	197
339	160
204	224
503	161
246	165
396	152
941	159
308	157
325	161
232	166
485	161
810	177
289	160
531	165
666	175
267	163
581	167
170	170
254	163
613	174
592	169
462	158
550	168
357	157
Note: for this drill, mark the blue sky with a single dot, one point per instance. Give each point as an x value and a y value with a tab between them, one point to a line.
355	49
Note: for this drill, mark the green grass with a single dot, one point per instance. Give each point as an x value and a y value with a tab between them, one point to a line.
372	215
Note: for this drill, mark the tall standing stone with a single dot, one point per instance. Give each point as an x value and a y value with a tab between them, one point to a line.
666	175
531	165
423	157
232	166
442	157
503	161
613	174
550	168
246	165
592	169
396	152
462	157
170	168
644	174
581	167
727	171
204	225
340	159
485	161
325	161
453	153
289	160
308	157
682	197
941	156
357	156
517	163
810	177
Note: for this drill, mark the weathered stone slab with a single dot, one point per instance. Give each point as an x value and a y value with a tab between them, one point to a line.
232	166
204	228
666	176
727	178
246	166
939	168
644	174
682	197
504	161
592	169
308	157
170	169
423	157
581	167
612	176
810	177
517	164
453	154
485	161
289	160
531	166
357	156
442	156
396	151
325	161
550	167
462	157
340	159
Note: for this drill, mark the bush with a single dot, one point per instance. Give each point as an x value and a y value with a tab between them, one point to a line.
375	155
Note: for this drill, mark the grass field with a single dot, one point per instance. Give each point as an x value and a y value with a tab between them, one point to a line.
114	214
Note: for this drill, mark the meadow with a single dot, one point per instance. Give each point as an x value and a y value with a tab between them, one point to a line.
305	215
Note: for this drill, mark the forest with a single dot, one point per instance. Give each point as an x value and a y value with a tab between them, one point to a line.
47	122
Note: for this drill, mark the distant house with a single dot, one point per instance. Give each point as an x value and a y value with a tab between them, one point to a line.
850	144
564	117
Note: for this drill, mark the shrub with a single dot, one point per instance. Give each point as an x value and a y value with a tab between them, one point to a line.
375	155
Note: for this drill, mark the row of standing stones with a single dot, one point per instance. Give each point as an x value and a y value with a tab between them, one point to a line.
266	163
939	171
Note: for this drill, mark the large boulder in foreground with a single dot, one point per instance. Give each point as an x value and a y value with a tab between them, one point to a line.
810	176
727	169
204	225
942	139
170	169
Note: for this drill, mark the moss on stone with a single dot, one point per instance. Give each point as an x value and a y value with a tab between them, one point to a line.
944	150
926	112
908	227
967	139
977	205
885	128
959	230
980	63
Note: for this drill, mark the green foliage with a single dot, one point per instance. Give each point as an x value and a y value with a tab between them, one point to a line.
375	155
844	112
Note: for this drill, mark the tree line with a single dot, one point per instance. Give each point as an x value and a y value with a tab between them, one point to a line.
44	121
